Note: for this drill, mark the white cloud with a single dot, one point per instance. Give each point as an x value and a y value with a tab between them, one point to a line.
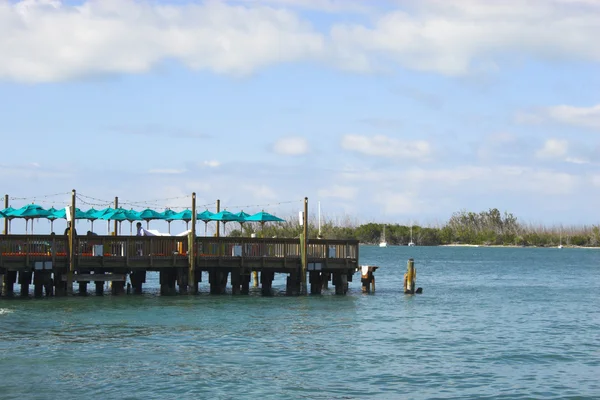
456	38
291	146
340	192
45	41
384	146
167	171
211	163
553	148
586	117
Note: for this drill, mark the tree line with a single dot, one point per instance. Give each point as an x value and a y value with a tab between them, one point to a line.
489	227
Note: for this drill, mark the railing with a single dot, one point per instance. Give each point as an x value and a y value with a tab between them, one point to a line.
32	248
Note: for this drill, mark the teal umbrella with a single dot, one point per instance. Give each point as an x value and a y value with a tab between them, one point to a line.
91	216
167	214
263	217
121	214
185	215
241	216
52	217
205	216
6	212
100	213
225	217
149	214
30	211
62	213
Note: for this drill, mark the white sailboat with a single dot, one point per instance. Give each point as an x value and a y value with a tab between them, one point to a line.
382	242
411	243
560	246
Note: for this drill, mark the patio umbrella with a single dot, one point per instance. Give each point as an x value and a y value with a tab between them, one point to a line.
91	216
241	218
205	217
52	217
167	214
224	216
121	214
263	217
6	212
100	213
30	211
149	214
185	215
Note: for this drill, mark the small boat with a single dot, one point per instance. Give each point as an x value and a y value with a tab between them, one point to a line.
382	242
560	246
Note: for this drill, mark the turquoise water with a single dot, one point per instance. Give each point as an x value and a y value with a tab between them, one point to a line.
492	323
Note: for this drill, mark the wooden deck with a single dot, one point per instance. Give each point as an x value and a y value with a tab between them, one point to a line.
43	255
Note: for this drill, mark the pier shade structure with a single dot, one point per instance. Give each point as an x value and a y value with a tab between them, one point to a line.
47	262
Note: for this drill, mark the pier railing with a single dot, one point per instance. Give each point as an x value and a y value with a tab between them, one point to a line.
27	250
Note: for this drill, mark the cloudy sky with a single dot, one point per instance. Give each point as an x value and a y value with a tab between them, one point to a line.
388	111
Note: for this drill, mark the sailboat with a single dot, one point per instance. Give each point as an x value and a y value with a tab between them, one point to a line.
382	242
411	243
560	246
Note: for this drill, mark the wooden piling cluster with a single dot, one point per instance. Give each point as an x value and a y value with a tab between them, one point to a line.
232	264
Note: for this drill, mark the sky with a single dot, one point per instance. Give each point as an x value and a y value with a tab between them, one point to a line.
392	111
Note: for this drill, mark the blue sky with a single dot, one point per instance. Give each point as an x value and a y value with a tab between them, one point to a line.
387	111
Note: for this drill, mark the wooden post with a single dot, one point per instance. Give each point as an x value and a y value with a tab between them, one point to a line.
6	219
254	278
218	211
71	246
99	284
192	250
410	277
116	222
24	281
303	288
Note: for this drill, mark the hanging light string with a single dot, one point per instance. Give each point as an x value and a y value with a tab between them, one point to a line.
155	203
266	205
34	198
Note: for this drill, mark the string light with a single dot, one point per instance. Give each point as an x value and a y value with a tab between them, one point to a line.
34	198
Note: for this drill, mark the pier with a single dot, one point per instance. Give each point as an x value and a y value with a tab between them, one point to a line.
46	262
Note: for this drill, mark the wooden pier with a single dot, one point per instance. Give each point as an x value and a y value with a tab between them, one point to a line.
45	262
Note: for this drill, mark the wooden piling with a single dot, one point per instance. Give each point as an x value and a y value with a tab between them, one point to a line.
6	219
246	283
25	281
303	288
236	281
137	278
316	282
293	283
325	278
340	280
182	280
266	281
83	288
72	248
10	277
191	281
367	278
255	281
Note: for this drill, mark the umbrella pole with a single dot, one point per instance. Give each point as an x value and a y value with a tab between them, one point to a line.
169	223
92	225
148	224
205	227
51	225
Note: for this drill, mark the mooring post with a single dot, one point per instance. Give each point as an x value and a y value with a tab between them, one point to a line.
266	280
255	279
316	284
10	277
24	281
367	278
192	250
303	288
218	211
116	222
5	219
71	245
410	277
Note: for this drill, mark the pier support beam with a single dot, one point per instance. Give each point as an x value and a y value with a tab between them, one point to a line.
182	279
266	280
340	280
325	278
99	285
25	281
137	278
218	281
167	282
60	287
10	277
316	282
367	278
83	288
245	283
292	286
42	280
236	281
